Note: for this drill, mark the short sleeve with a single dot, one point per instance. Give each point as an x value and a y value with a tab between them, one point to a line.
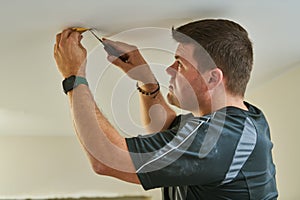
172	157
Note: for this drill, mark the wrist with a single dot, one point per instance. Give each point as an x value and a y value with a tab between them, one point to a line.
150	86
70	70
150	89
72	82
77	74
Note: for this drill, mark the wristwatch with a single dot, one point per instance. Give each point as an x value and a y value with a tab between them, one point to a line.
72	82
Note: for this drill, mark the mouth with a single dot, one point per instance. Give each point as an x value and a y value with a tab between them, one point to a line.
171	87
171	84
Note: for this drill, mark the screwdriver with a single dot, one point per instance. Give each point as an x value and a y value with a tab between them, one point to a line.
108	48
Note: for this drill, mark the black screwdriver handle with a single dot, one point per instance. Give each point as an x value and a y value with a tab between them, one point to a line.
112	51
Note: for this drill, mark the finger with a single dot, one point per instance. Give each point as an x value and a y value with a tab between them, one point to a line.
117	61
56	52
121	46
55	49
66	33
58	36
75	36
115	44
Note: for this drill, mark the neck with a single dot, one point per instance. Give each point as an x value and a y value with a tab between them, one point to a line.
236	101
217	103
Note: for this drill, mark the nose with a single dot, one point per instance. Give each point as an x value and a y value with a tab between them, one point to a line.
171	70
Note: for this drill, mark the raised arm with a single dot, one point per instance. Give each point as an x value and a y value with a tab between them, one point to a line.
156	114
106	149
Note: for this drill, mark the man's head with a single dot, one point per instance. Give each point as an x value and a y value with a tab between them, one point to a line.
223	44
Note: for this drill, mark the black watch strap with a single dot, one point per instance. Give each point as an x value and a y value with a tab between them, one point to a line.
72	82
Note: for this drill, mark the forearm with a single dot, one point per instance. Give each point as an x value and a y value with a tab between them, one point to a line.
101	141
156	114
106	149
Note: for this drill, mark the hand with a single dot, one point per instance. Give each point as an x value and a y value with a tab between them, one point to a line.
135	67
69	54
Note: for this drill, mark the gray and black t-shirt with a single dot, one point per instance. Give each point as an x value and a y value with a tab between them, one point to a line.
224	155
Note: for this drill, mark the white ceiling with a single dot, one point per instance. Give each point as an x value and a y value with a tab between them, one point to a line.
32	101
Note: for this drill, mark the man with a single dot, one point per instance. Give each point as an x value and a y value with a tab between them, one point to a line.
222	150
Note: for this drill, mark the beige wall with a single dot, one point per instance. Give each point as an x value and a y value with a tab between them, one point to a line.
279	99
54	166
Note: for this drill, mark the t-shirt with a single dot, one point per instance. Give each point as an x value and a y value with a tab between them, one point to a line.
223	155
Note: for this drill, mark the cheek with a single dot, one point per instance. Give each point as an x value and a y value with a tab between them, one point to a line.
195	90
199	84
192	82
201	87
181	83
184	88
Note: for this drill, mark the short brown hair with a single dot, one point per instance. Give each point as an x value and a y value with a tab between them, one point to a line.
227	44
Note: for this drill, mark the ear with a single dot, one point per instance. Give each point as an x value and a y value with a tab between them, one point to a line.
215	78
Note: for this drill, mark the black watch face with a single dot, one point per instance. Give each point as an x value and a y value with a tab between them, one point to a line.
68	83
70	80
